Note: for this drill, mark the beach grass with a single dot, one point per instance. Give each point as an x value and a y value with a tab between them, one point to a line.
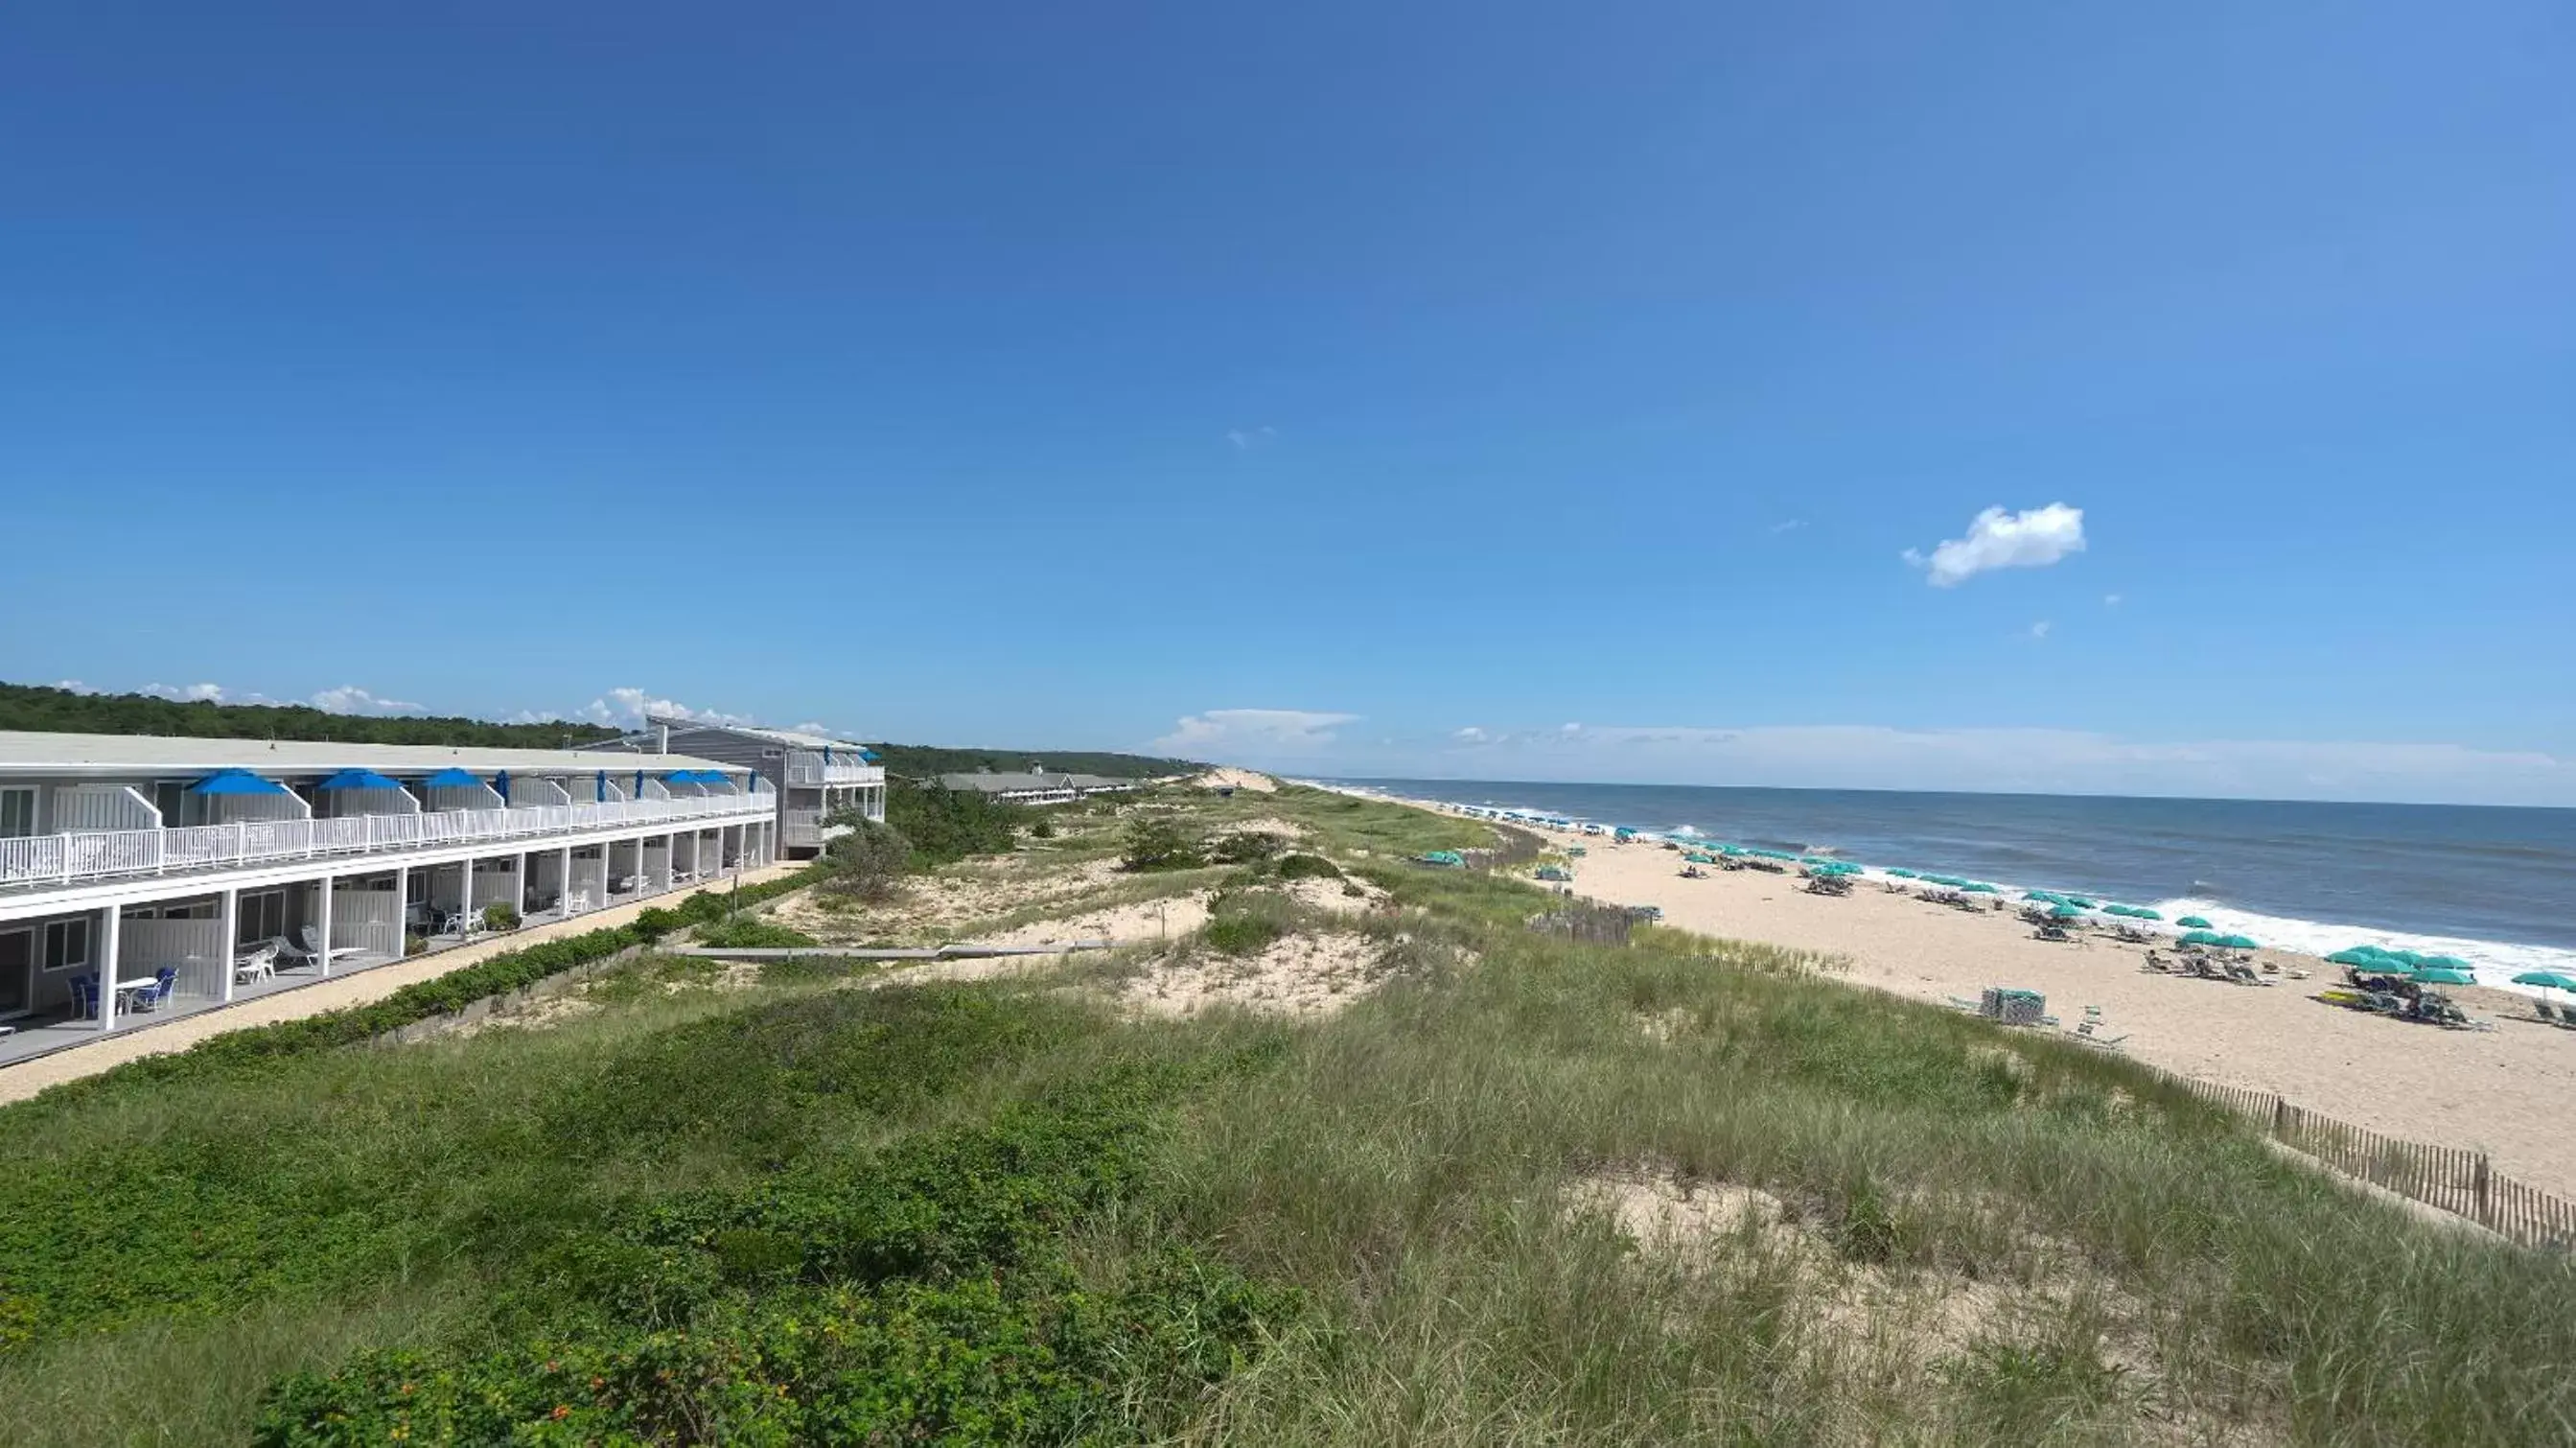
1422	1219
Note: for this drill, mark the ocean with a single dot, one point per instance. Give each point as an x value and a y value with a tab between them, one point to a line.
2496	887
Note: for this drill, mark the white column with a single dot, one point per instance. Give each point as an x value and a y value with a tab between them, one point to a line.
110	920
325	931
563	885
402	912
519	887
231	940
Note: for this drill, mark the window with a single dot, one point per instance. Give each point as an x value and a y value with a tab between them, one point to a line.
67	943
263	916
17	813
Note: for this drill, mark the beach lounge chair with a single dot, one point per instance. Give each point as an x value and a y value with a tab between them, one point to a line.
259	962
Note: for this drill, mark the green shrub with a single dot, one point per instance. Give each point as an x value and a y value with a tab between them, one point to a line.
1307	867
499	916
1246	847
747	932
1154	843
943	826
654	922
1245	922
929	1293
415	945
1044	829
868	862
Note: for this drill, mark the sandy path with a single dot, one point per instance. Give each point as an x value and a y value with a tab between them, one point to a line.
2510	1092
22	1081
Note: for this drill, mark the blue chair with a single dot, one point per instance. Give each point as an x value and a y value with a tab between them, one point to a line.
164	981
84	996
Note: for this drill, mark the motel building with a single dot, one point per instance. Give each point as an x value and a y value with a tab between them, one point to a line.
816	776
143	878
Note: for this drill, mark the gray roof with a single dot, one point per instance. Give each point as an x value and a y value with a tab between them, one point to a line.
32	753
792	737
1010	781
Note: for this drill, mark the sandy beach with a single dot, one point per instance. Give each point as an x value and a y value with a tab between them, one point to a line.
2510	1092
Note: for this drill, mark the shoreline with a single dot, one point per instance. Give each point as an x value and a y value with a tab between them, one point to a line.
2507	1092
2495	951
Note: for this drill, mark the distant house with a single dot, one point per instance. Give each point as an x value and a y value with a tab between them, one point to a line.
816	776
1035	785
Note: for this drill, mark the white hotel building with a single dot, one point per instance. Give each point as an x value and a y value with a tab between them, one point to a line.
143	878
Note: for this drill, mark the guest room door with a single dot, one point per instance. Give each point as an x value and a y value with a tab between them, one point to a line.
17	973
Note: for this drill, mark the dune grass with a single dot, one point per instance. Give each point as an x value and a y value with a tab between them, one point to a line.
1004	1212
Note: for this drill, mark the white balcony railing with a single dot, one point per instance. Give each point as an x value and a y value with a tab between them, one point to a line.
808	771
805	828
106	854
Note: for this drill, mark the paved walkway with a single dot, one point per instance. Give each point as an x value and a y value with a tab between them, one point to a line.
19	1082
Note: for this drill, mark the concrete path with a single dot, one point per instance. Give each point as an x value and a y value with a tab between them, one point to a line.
19	1082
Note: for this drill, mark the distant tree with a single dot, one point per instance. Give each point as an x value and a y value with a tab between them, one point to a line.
61	711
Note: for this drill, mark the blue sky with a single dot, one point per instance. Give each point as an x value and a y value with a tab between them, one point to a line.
1336	387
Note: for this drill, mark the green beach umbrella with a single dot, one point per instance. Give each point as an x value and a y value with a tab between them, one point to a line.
2443	975
2203	937
1980	888
2441	962
2080	903
1903	874
2547	979
2065	912
2194	922
2239	942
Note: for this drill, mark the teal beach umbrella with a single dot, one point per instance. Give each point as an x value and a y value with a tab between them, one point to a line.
2193	922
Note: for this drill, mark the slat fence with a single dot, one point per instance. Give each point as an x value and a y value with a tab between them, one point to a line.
2453	1179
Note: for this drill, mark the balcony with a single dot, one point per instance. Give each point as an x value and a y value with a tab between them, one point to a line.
804	829
808	771
91	855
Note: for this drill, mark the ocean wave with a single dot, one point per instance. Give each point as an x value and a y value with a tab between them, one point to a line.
2493	962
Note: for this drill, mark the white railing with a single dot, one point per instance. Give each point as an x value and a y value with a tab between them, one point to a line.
808	771
103	854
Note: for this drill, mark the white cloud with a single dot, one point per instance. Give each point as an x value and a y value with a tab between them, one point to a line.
186	693
2047	761
350	699
2110	600
1245	439
1791	526
1472	735
1227	734
626	708
1997	539
2040	629
73	686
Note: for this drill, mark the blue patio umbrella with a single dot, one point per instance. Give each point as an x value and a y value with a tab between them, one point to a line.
453	779
867	756
358	779
236	781
501	785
